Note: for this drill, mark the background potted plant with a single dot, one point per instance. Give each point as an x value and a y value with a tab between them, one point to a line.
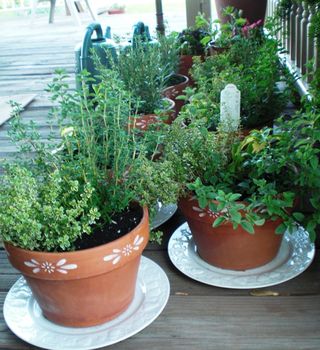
238	195
140	67
192	42
116	9
175	83
252	10
73	217
251	63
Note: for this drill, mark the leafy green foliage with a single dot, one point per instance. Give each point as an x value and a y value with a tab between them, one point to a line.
44	214
96	170
266	171
194	40
143	71
254	68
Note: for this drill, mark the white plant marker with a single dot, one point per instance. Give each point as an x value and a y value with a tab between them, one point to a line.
230	108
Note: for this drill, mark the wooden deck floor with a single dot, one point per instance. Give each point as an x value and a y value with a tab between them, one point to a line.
197	317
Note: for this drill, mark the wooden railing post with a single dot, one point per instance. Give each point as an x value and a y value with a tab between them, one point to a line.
284	30
316	47
303	42
292	48
298	36
310	45
289	30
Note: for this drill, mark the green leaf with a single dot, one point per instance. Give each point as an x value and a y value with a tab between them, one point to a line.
314	163
298	216
213	206
235	216
259	222
246	225
314	202
221	206
281	229
202	202
312	235
218	221
204	41
235	196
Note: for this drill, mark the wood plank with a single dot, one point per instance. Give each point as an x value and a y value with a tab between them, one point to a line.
217	322
5	108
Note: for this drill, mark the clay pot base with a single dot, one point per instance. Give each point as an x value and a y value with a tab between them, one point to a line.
228	248
151	296
295	255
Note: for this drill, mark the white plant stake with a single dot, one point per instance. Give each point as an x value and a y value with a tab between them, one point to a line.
230	108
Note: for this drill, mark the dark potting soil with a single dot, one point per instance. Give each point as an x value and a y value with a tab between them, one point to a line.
175	80
121	224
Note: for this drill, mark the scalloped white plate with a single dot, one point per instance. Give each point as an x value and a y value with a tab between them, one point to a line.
164	213
24	317
295	255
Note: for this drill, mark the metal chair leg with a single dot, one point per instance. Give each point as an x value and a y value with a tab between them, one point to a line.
52	10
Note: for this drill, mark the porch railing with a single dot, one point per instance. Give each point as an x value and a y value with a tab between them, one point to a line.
19	5
302	56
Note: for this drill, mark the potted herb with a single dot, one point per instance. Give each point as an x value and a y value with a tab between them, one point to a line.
193	42
239	194
252	10
116	9
252	64
140	67
73	217
175	83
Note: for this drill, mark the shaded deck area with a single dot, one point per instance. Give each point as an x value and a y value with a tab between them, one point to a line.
197	316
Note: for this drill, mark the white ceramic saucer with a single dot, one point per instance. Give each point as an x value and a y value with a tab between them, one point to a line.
295	255
164	213
24	317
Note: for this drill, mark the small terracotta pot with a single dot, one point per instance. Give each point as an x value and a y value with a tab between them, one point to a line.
142	121
225	247
185	64
213	50
173	91
115	11
86	287
253	10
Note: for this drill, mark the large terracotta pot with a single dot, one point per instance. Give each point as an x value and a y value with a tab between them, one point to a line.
253	10
86	287
225	247
173	91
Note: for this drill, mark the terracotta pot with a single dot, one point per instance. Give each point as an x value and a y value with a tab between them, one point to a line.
142	121
185	64
173	91
213	50
115	11
253	10
86	287
225	247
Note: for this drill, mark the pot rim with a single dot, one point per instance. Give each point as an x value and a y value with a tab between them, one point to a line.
144	218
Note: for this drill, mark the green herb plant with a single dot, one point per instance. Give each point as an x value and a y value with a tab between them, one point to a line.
143	71
252	179
254	67
94	171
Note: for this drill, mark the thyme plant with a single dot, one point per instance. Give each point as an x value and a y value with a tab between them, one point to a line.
95	171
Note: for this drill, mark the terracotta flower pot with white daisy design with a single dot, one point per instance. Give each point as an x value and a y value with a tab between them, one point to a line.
85	287
225	247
